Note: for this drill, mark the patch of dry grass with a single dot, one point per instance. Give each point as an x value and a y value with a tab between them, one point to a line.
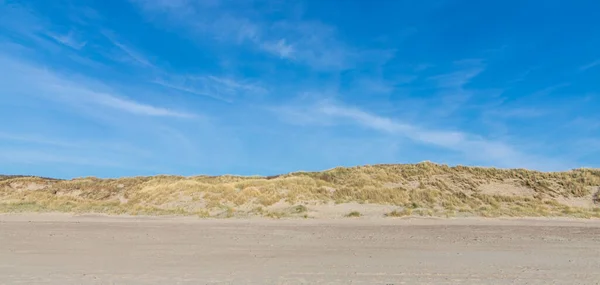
354	214
402	213
420	189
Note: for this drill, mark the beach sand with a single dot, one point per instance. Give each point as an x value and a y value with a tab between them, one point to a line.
66	249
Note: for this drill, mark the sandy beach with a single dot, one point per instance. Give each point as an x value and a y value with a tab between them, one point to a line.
64	249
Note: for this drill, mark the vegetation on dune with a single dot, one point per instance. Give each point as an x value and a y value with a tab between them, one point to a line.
402	213
354	214
425	189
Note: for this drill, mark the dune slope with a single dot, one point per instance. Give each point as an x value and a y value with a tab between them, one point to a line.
424	189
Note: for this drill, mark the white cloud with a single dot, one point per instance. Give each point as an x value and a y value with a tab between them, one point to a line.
521	112
219	88
186	87
478	148
233	85
363	118
21	23
456	79
129	52
36	139
17	77
127	105
69	40
377	85
549	90
73	144
312	43
280	47
133	54
451	89
590	65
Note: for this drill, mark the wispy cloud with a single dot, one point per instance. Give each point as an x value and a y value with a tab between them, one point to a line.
378	85
470	145
465	71
280	48
219	88
26	27
36	139
50	85
314	43
375	85
308	42
186	87
589	124
69	40
72	144
590	65
132	54
518	113
232	85
451	88
126	105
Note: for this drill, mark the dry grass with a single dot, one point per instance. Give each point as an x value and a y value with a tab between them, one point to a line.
420	189
402	213
353	214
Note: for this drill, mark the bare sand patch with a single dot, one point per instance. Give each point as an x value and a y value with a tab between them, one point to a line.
507	188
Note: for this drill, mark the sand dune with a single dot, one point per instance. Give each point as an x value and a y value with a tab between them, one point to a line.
424	189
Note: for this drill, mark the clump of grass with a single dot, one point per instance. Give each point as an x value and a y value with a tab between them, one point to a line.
422	212
258	210
299	209
353	214
203	214
229	213
21	207
275	214
402	213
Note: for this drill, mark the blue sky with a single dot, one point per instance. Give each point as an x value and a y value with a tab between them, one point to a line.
142	87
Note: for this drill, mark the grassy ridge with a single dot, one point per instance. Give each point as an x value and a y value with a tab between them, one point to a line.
417	189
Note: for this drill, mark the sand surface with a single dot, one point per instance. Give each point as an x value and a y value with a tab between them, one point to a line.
59	249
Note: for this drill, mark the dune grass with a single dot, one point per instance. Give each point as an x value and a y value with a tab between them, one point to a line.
399	213
354	214
424	189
